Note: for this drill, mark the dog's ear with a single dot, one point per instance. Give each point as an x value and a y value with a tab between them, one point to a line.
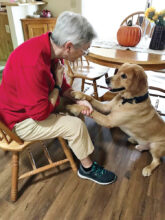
139	80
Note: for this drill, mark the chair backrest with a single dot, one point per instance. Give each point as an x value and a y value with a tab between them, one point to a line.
72	67
7	135
159	93
138	18
68	68
77	68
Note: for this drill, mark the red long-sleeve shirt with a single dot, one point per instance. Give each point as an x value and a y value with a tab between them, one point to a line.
27	82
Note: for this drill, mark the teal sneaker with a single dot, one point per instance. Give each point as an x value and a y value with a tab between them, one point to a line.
97	174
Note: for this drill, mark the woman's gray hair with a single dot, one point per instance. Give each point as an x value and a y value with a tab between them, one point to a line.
72	27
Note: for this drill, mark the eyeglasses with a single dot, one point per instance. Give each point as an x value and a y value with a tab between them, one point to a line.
85	52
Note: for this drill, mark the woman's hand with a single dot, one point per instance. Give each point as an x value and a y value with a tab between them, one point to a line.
59	74
87	111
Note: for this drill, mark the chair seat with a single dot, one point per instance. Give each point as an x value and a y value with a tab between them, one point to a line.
13	146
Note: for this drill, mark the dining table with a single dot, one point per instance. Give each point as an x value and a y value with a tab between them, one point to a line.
114	57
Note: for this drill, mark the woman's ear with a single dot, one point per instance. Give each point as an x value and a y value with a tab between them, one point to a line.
68	46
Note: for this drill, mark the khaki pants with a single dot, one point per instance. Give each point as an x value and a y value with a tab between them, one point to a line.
68	127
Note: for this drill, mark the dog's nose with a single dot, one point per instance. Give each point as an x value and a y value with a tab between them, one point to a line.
107	80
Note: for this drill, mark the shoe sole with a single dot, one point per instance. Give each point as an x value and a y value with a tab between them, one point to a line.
85	177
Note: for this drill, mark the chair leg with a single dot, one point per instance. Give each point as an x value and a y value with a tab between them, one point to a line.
106	75
82	85
15	170
115	71
95	90
68	153
71	81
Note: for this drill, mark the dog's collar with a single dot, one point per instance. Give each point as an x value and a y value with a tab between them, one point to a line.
136	99
117	90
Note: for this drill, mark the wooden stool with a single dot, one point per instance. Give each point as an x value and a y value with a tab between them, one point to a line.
9	141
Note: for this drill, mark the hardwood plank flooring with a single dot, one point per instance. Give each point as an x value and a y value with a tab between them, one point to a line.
62	195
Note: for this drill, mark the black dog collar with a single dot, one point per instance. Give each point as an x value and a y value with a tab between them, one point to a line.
136	99
117	90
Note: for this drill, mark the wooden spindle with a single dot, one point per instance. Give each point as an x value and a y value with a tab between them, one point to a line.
68	153
15	171
31	158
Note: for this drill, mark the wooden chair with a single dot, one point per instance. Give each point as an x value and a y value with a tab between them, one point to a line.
138	18
159	97
9	141
89	73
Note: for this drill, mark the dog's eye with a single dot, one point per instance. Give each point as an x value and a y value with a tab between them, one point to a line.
124	76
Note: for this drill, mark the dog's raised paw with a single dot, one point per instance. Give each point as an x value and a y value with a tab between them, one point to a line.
146	171
142	147
74	109
80	96
139	147
132	140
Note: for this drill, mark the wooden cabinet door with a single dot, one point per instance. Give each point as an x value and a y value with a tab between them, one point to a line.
36	29
33	27
51	26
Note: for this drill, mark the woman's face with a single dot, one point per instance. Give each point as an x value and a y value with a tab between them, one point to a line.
75	53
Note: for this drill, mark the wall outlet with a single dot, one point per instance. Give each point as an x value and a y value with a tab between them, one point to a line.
7	28
73	3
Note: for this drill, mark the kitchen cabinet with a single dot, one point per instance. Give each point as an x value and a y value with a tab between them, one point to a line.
33	27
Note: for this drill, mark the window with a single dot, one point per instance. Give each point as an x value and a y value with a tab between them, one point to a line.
107	15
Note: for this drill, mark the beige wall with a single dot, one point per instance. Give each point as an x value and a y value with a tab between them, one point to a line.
58	6
15	13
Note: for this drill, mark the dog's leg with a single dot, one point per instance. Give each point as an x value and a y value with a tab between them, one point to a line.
81	96
132	140
101	119
104	120
148	169
157	152
142	147
101	107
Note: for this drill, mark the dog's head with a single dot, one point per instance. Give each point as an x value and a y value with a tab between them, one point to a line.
129	78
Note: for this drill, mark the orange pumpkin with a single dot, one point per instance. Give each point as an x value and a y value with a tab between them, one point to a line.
129	36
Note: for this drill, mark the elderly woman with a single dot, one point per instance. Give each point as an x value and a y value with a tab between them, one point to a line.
33	82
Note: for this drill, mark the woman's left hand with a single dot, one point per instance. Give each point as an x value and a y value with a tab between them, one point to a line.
87	111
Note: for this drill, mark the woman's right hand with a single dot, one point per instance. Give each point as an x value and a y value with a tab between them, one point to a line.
59	74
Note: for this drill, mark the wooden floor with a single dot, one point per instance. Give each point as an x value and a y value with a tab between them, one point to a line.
62	195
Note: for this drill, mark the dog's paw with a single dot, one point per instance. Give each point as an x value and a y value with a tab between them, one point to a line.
73	109
132	140
142	147
146	171
139	147
80	96
76	109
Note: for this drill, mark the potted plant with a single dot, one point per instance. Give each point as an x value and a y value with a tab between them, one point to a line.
158	37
